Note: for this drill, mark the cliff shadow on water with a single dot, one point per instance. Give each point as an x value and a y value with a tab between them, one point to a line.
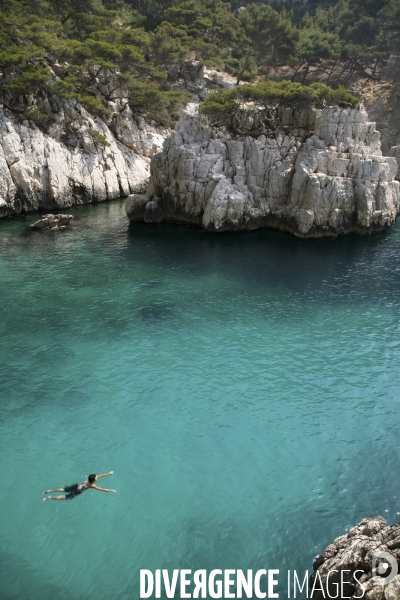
345	269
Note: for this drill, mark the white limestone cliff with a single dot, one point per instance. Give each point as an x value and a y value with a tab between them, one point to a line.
321	173
43	171
395	151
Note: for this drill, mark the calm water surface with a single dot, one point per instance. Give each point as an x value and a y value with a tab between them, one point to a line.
244	389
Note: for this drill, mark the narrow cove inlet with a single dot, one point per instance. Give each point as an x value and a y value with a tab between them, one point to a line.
244	388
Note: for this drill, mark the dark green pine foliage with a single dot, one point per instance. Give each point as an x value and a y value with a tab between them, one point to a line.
81	42
225	107
362	34
66	46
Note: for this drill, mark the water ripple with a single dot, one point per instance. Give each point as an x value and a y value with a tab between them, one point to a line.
243	388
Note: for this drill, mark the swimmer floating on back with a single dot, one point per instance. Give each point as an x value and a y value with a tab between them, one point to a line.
78	488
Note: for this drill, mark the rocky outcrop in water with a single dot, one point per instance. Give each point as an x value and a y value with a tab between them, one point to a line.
52	222
80	159
320	173
358	550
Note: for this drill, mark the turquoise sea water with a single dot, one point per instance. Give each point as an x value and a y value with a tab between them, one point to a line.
244	389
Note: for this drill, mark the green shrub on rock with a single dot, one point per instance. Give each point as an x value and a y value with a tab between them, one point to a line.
98	137
223	105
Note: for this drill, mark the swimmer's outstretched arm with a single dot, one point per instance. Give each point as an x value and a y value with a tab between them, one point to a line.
106	474
96	487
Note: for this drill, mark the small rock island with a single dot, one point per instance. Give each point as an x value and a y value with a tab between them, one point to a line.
321	174
50	221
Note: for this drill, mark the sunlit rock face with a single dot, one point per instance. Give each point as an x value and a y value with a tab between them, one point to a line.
363	563
395	151
45	171
319	173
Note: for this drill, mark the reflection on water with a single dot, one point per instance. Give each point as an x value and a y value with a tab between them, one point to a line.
244	388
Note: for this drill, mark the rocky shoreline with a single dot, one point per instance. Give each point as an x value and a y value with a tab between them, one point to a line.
321	174
359	550
78	158
47	171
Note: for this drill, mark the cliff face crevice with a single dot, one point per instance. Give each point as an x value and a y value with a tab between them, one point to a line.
41	170
322	173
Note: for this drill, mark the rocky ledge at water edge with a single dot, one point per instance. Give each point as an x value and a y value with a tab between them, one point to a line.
373	549
321	173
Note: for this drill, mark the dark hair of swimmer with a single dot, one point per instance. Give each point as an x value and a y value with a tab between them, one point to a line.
92	478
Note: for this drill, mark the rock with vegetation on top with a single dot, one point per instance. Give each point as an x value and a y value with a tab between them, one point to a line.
353	552
52	222
319	173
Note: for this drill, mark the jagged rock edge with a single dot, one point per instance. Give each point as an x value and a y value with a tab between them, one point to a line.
330	183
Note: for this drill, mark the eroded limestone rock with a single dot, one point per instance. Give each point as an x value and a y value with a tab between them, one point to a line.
218	79
320	174
46	171
52	222
135	207
353	552
395	151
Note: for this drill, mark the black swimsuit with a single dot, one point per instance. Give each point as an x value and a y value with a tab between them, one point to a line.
74	490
